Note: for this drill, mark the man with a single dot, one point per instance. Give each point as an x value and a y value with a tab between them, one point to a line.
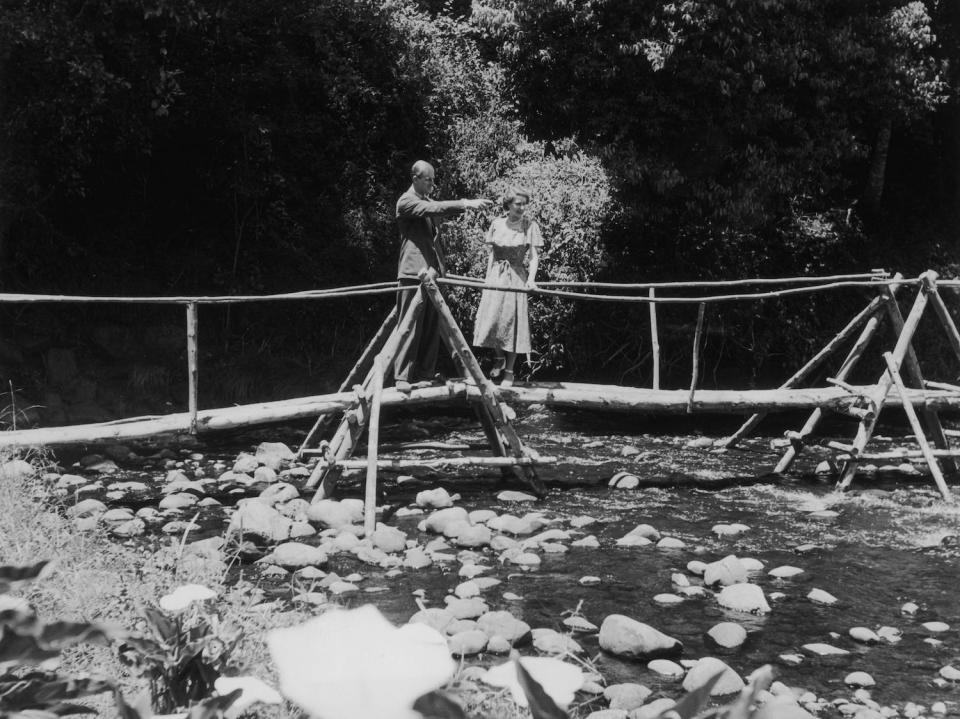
419	218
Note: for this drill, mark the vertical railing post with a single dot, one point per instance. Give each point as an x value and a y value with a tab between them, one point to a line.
654	339
192	365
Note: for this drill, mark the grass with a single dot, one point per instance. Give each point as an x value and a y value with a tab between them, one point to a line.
96	578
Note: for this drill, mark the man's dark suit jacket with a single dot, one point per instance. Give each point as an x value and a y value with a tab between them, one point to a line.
419	221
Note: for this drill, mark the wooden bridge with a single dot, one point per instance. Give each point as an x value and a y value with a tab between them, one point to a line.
362	394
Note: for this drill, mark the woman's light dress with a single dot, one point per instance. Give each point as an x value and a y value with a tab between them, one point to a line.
502	318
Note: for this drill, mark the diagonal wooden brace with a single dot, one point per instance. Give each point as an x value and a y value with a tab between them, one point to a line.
489	395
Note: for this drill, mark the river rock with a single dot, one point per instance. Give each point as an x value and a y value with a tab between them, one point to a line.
182	484
729	530
667	599
68	482
863	635
131	528
781	708
696	567
256	518
467	643
633	540
588	542
245	463
890	634
785	572
293	555
751	564
666	668
729	683
818	596
582	521
441	520
727	635
472	536
504	624
510	495
647	531
279	493
331	513
936	626
824	650
435	617
117	514
550	641
859	679
671	543
87	508
624	480
950	673
438	498
470	608
389	539
726	571
744	597
623	636
274	454
178	500
520	558
627	696
179	527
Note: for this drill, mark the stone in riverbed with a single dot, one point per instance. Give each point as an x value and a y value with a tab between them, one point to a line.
467	643
729	683
818	596
255	517
667	599
725	572
279	493
744	597
293	555
469	608
623	636
859	679
514	496
472	536
438	498
178	500
727	635
824	650
274	454
627	696
550	641
666	668
864	635
434	617
332	513
130	528
588	542
389	539
936	626
87	508
504	624
785	572
439	521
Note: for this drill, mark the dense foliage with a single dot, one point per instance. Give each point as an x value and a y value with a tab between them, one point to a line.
186	146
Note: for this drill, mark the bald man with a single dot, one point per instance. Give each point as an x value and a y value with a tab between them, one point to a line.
418	218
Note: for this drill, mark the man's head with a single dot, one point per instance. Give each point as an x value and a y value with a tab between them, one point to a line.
423	177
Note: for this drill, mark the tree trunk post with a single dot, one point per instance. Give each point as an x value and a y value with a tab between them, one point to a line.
947	321
192	371
373	444
695	374
654	339
917	429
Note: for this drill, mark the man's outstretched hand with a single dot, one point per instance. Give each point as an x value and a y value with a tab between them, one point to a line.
477	204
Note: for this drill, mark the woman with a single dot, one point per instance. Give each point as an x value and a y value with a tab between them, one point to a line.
502	322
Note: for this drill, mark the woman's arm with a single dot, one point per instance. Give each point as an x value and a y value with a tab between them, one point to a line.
534	264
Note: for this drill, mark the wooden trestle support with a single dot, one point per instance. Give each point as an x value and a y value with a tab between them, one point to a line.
364	411
869	401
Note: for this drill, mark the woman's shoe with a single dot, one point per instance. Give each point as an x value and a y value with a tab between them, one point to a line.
507	379
498	367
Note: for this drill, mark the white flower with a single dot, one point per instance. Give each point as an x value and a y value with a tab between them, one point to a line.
182	597
559	679
347	664
254	690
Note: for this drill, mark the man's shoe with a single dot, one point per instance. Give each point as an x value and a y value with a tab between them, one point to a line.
507	379
401	385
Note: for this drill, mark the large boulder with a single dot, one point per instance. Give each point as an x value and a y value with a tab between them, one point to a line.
626	637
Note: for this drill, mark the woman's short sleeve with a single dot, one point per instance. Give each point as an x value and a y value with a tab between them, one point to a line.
534	237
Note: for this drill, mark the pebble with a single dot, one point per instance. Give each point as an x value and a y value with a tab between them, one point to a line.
824	650
821	597
785	572
950	673
910	608
666	668
936	626
666	599
588	542
589	581
671	543
863	635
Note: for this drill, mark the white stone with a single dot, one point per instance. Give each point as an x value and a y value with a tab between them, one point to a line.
785	572
744	597
864	635
824	650
666	668
859	679
623	636
728	635
936	626
821	597
729	683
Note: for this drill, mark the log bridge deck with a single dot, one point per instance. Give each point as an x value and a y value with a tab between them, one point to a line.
362	394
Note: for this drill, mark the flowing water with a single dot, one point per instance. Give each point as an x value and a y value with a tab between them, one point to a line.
889	541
